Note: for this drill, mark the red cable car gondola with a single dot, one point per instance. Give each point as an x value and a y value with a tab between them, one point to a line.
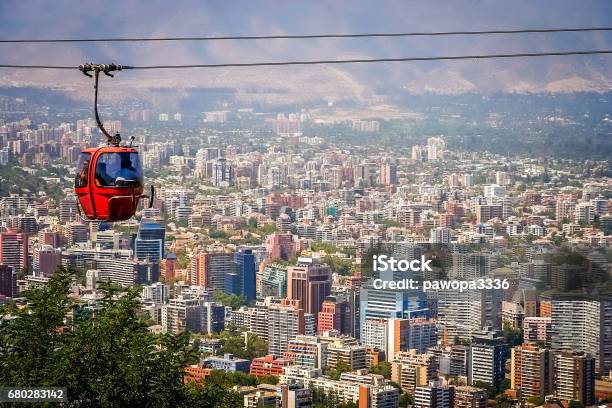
109	180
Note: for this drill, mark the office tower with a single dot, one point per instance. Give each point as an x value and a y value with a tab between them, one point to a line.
464	313
537	330
285	322
46	260
469	397
8	281
307	351
381	303
434	395
337	313
469	266
488	358
309	282
245	270
582	325
411	369
575	377
149	242
210	268
388	174
14	250
273	281
280	246
531	371
193	314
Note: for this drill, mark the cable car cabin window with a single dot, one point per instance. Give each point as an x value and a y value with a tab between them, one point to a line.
82	170
118	169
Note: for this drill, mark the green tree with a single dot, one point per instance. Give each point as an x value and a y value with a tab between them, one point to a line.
105	356
383	368
512	337
503	401
235	301
341	367
406	399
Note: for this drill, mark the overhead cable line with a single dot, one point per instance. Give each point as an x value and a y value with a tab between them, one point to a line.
308	36
330	62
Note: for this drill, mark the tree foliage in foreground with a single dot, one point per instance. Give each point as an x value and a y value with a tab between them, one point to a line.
105	357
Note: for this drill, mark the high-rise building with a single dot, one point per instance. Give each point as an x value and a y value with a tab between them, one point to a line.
14	250
465	313
337	313
193	314
223	173
433	395
440	235
280	246
149	242
488	358
411	369
469	266
486	212
453	360
8	281
210	268
537	330
245	270
575	377
346	353
68	210
285	322
583	325
46	260
388	174
309	282
395	335
307	351
531	371
273	281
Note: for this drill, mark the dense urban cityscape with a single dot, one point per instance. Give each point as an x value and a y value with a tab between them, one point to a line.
259	245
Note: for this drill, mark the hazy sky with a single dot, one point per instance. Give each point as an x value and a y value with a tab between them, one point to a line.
46	19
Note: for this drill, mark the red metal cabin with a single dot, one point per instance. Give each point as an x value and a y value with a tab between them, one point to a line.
109	183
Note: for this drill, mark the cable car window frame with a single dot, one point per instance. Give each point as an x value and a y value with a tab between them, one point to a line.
81	179
136	165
